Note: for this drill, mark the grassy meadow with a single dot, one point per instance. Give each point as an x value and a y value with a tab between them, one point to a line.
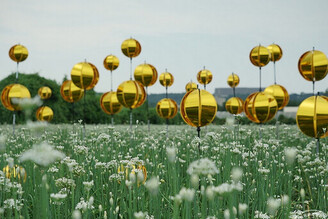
50	171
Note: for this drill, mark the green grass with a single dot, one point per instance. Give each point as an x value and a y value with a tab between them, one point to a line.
260	156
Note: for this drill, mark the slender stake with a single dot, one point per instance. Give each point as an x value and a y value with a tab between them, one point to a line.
167	128
131	121
16	81
148	121
313	84
112	120
274	72
260	89
14	122
198	134
84	113
166	95
111	80
130	68
234	91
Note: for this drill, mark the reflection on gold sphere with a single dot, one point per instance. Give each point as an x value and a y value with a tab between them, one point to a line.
198	108
14	172
204	76
191	86
131	94
260	107
280	94
233	80
131	48
166	79
146	74
235	105
111	62
128	169
44	92
313	65
70	92
275	52
44	113
11	95
18	53
109	103
167	108
260	56
85	75
312	116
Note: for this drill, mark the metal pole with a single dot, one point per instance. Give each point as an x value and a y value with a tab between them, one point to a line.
84	113
112	120
260	89
274	72
148	121
111	80
16	81
167	128
130	68
318	146
14	122
131	121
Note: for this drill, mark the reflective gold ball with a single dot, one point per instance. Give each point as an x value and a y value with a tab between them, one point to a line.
204	76
280	94
131	94
167	108
313	65
312	116
166	79
44	92
85	75
18	53
15	172
260	56
12	94
111	62
44	113
191	86
260	107
109	103
128	169
233	80
235	105
275	52
146	74
131	48
70	92
198	108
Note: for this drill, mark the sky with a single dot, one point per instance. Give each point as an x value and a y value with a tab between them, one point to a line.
181	36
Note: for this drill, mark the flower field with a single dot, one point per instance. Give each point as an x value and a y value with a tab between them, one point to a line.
49	171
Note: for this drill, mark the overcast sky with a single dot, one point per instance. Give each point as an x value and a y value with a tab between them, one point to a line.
180	35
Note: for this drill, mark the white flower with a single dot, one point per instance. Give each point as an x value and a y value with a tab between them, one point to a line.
76	214
187	194
242	207
28	104
285	200
88	185
202	166
152	185
290	155
42	154
302	193
10	161
171	154
273	205
230	121
139	215
236	174
3	143
194	180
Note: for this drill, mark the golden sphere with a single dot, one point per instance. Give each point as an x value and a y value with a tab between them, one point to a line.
204	76
313	65
312	116
233	80
275	52
70	92
131	94
44	92
131	48
18	53
109	103
111	62
260	56
44	113
280	94
260	107
126	170
167	108
14	172
166	79
198	108
235	105
190	86
11	93
146	74
85	75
